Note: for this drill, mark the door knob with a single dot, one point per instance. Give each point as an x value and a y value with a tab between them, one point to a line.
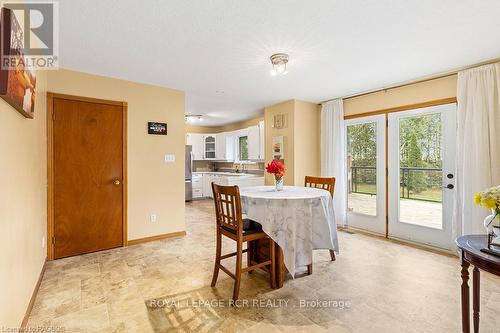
449	186
116	182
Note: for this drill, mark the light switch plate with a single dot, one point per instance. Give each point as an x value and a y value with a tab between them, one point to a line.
169	158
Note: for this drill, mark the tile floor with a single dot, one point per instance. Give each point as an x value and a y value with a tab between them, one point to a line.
164	286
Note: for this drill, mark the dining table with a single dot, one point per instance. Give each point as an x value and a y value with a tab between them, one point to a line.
298	219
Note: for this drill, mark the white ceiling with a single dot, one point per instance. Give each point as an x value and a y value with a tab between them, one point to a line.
218	51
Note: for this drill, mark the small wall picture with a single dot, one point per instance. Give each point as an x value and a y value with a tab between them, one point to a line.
279	121
278	148
17	83
157	128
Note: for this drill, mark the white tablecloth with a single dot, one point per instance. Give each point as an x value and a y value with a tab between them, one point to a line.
298	219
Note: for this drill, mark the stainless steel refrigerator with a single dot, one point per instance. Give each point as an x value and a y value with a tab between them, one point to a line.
189	173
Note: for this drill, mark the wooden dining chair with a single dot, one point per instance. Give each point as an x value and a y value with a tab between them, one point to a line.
324	184
230	223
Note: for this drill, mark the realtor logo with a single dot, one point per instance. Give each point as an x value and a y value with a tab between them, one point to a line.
29	35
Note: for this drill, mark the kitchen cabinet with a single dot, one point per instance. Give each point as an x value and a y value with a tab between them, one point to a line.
224	146
209	146
207	185
208	178
253	143
196	141
242	180
197	185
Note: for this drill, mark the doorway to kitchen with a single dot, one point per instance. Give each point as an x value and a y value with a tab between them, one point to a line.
400	174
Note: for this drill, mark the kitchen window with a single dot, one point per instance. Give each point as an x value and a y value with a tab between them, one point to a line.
243	148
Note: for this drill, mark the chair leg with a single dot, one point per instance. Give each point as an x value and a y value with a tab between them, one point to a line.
217	258
249	255
237	275
309	269
272	255
332	255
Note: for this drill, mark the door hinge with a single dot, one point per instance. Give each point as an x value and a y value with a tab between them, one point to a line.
53	115
53	240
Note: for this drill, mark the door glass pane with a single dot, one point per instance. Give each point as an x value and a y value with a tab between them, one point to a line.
420	163
362	168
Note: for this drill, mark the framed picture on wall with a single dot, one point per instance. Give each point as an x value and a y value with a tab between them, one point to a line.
17	84
279	121
278	148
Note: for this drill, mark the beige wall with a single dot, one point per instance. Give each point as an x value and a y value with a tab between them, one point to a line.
226	128
445	87
307	140
153	186
23	200
301	139
286	108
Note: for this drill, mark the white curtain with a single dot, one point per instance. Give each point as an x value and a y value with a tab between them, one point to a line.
333	159
478	144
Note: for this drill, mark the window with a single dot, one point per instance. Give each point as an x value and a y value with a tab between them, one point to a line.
243	148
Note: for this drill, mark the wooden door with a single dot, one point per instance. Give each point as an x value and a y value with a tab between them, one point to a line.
88	191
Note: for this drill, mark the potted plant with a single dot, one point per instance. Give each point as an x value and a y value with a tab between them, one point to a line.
490	199
277	169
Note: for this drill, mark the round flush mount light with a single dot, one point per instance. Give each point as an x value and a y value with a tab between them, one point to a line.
191	118
279	61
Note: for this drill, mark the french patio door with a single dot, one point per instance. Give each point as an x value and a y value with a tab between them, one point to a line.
421	157
409	195
365	176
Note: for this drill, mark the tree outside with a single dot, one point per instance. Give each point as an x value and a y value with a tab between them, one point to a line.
420	157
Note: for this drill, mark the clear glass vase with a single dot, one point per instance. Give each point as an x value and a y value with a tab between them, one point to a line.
489	221
279	183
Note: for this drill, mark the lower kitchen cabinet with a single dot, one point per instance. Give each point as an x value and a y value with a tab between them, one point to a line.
203	187
197	182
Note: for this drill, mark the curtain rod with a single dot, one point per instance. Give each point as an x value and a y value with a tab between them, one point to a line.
415	81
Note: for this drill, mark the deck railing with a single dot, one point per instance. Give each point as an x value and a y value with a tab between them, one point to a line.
415	183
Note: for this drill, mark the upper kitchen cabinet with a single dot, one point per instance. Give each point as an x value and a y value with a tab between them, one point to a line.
224	147
262	136
253	143
197	142
209	146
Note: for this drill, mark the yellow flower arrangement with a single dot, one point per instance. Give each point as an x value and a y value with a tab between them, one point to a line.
489	198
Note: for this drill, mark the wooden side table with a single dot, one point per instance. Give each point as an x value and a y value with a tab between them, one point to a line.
470	254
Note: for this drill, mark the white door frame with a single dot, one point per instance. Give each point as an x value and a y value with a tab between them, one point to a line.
407	231
375	224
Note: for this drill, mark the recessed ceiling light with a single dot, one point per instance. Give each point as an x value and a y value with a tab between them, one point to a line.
279	61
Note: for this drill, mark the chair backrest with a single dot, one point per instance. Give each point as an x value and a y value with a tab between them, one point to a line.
228	207
322	183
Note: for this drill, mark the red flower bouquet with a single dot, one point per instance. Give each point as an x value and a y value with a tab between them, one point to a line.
277	169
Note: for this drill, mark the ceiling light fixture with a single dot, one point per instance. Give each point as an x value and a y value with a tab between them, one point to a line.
279	61
190	118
